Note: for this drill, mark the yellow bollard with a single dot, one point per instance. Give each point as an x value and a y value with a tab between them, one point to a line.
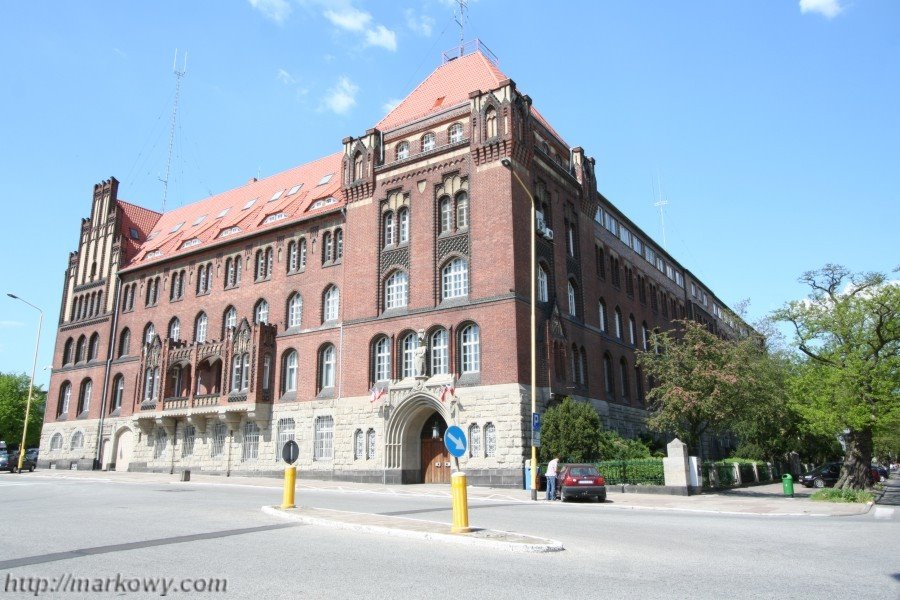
290	480
460	503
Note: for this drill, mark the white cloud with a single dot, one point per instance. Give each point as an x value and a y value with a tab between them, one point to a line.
421	25
285	77
276	10
391	105
827	8
383	37
342	97
348	18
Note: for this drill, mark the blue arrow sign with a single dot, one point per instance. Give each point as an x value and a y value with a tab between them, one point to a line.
536	421
455	441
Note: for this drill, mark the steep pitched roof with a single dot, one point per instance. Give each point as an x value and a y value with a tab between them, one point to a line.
448	85
287	197
141	220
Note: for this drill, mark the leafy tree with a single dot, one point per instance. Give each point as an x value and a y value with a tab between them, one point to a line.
612	446
570	430
13	397
849	333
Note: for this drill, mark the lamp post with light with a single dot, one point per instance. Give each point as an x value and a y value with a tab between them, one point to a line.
31	385
506	162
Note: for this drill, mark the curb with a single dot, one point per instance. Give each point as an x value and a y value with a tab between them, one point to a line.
482	537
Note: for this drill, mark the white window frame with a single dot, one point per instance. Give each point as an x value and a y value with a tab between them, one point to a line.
396	290
543	294
470	345
428	142
490	440
201	327
327	376
573	311
474	441
455	279
295	310
286	433
249	442
440	352
332	303
291	364
383	359
323	447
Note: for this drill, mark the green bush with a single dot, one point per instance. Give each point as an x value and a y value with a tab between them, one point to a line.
647	471
834	495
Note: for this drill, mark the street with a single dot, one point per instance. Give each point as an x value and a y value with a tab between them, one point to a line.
101	527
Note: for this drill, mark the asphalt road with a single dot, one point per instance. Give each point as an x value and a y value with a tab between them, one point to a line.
103	530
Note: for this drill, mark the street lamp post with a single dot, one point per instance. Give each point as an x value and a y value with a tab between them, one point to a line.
508	164
37	345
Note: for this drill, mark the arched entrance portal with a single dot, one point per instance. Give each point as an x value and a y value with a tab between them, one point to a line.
122	450
411	449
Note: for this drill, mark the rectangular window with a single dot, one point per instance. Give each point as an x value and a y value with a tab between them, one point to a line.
324	438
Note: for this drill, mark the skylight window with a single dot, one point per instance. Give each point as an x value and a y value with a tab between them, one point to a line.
325	179
294	189
152	235
191	242
177	227
276	196
249	204
199	220
273	218
222	214
229	231
134	234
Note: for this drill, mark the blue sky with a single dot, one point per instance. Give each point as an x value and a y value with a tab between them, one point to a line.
773	127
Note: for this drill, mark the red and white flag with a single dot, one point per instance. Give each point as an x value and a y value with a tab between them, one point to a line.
446	389
377	393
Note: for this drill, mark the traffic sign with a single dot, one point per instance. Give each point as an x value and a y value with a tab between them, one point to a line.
455	441
536	421
536	439
290	452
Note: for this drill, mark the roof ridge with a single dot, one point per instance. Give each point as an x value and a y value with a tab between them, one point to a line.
138	206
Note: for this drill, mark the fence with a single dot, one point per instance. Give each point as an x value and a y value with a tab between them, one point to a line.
729	473
644	471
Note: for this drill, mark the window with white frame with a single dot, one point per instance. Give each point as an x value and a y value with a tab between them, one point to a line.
370	444
250	449
230	319
56	442
382	359
285	434
292	262
219	434
200	328
84	398
240	372
118	392
324	438
428	142
618	323
446	214
645	337
65	396
440	352
632	330
410	346
159	443
327	367
174	329
471	349
403	226
462	210
543	293
187	441
149	333
358	445
602	313
490	440
289	379
456	133
267	372
388	228
295	309
402	150
77	441
331	304
261	312
396	290
573	311
455	279
474	441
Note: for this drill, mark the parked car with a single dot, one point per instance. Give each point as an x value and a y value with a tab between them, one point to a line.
4	459
580	481
824	476
883	474
12	463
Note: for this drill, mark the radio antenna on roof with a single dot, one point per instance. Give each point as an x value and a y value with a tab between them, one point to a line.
662	202
178	76
459	15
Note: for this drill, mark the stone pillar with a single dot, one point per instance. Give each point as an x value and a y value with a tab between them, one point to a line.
676	467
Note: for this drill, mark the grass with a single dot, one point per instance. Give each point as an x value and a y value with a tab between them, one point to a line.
833	495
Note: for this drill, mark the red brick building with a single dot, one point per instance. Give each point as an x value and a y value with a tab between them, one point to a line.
395	269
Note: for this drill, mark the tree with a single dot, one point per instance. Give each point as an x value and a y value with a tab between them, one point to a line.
570	430
13	398
613	446
848	330
699	381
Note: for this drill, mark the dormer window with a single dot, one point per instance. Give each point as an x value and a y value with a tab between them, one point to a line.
191	242
229	231
402	150
153	254
273	218
428	142
325	202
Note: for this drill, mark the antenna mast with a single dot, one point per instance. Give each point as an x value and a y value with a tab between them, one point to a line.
661	203
178	76
459	15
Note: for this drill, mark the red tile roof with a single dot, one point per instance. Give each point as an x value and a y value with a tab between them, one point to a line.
141	220
447	86
174	228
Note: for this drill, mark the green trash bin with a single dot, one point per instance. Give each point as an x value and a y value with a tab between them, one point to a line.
787	484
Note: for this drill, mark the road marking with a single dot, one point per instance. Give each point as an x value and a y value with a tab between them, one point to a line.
884	513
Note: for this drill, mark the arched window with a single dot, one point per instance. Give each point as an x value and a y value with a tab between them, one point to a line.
267	372
260	265
462	210
446	214
291	261
358	166
455	133
160	442
250	448
396	290
370	444
175	329
77	441
490	440
200	328
623	377
65	396
410	346
402	150
323	443
639	384
56	442
440	352
219	437
80	349
571	295
67	351
455	279
358	445
382	364
470	345
149	333
84	397
331	304
428	142
632	330
403	226
261	312
201	279
286	427
118	392
295	309
490	120
151	384
240	372
608	375
645	336
327	247
289	370
338	244
474	441
327	367
618	323
124	342
233	268
229	320
302	253
543	292
582	366
388	228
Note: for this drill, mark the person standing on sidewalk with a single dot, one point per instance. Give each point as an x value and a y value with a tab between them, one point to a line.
551	478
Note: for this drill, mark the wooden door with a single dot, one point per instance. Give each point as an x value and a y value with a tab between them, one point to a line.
435	462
